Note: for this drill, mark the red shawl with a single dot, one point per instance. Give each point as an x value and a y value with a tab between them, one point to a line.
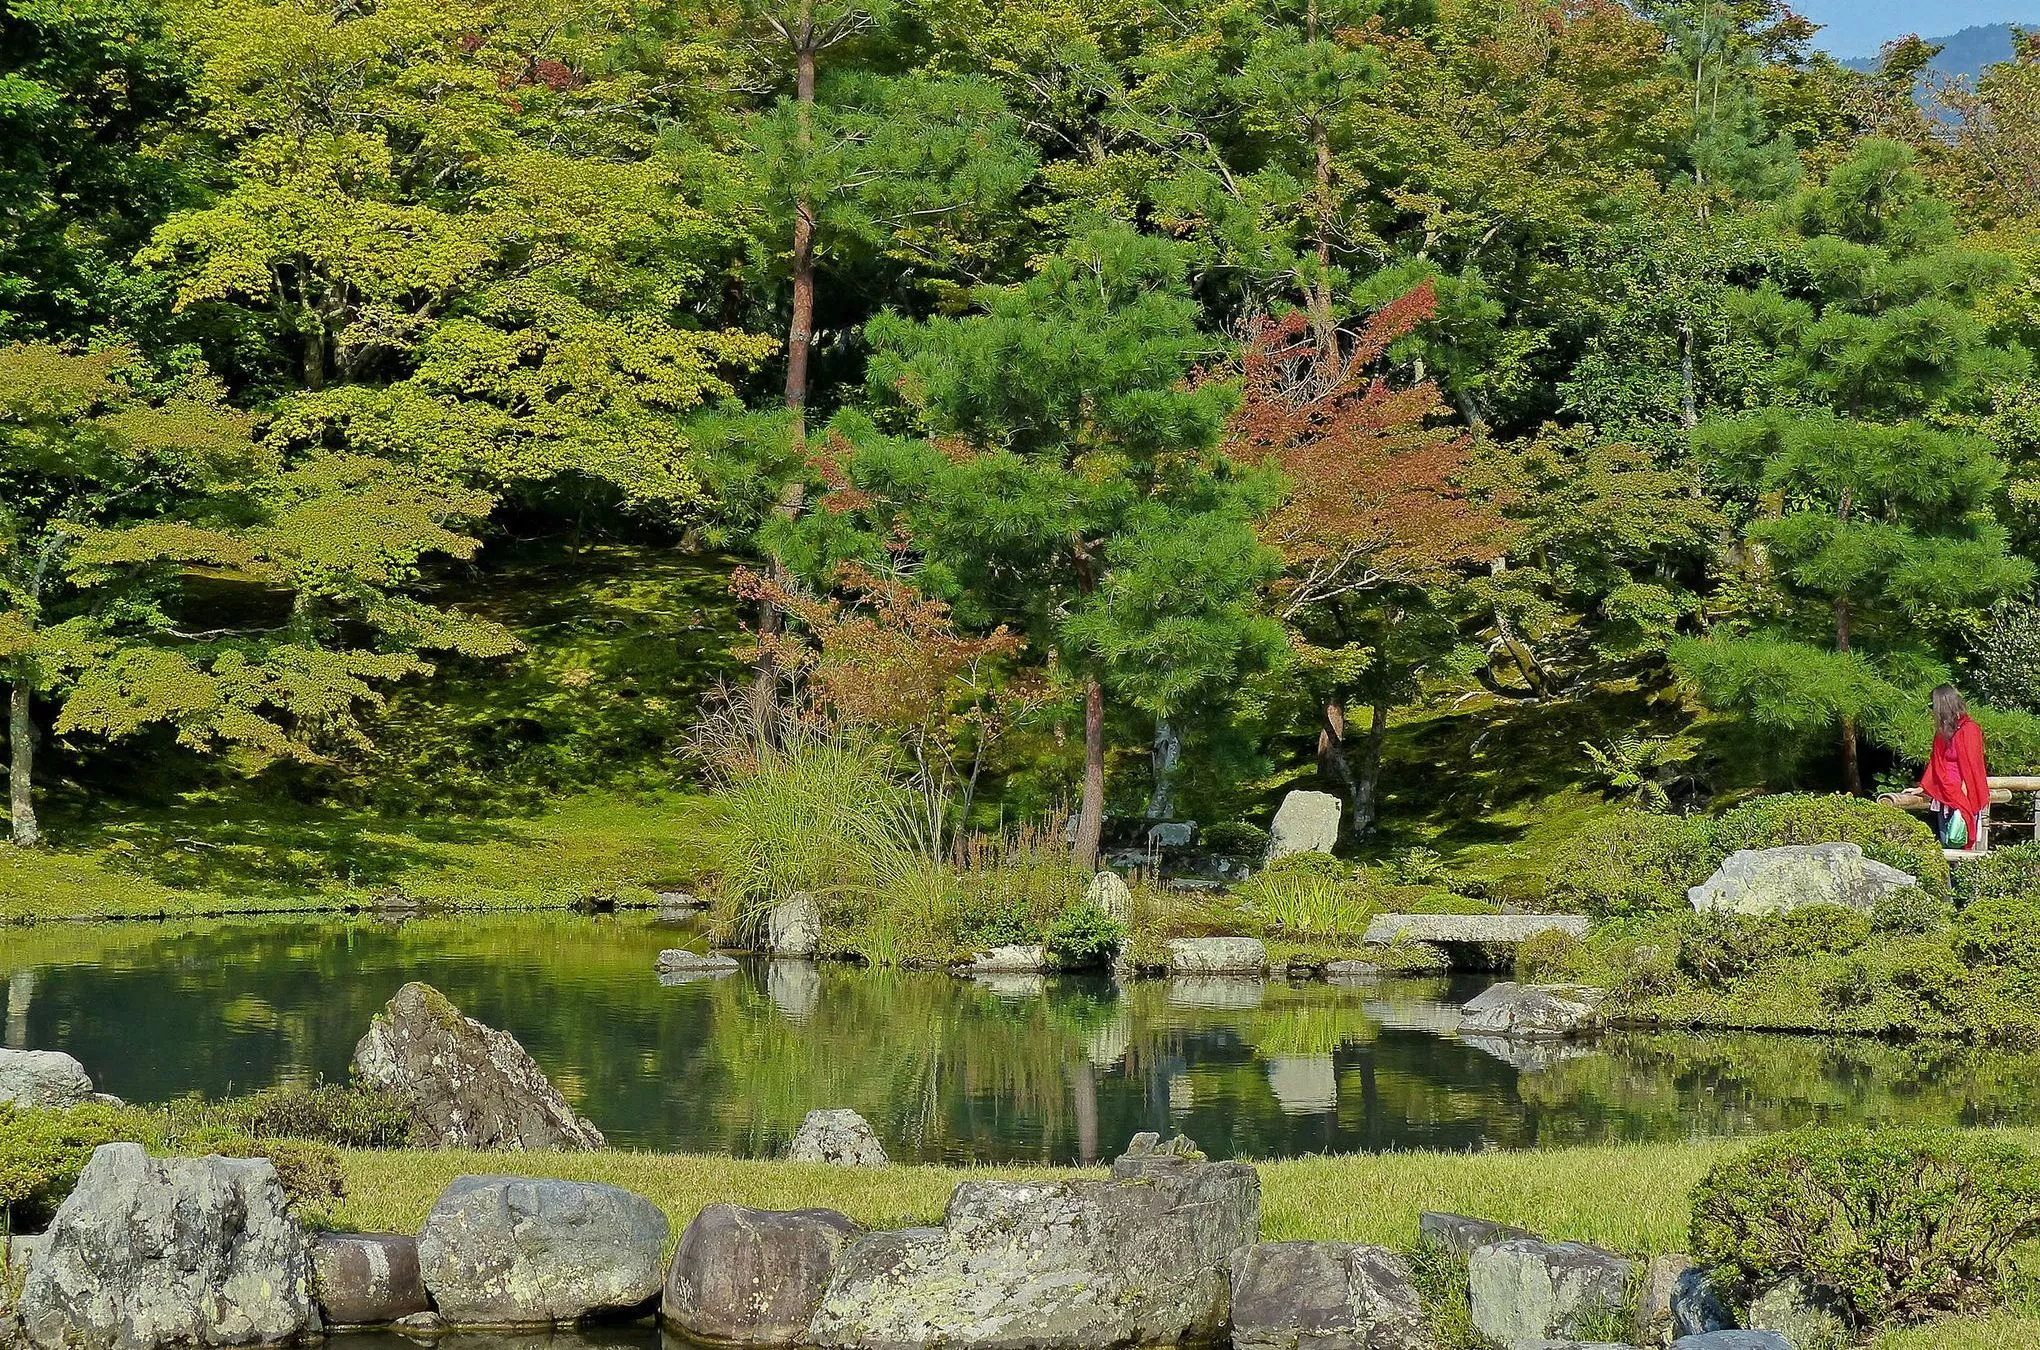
1972	794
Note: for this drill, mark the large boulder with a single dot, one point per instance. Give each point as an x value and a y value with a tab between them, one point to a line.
840	1137
1458	1233
152	1252
1306	822
752	1277
793	929
43	1078
467	1085
1779	880
367	1279
518	1252
1533	1011
1110	896
1217	956
1324	1296
1527	1290
1072	1265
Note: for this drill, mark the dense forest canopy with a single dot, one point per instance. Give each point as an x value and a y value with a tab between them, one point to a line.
1254	373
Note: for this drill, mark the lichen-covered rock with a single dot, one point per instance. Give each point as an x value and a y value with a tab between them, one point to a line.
169	1252
45	1078
1108	893
680	961
1217	956
366	1279
794	927
1779	880
1306	822
519	1252
752	1277
1533	1011
467	1085
1074	1265
1733	1340
1324	1296
1018	959
1458	1233
840	1137
1678	1299
1526	1290
1798	1314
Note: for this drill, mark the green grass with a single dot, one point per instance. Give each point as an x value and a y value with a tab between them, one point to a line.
1631	1198
214	858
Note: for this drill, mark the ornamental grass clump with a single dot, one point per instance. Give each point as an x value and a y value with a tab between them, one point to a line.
1886	1227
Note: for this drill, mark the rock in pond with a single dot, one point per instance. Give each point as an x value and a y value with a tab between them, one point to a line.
1527	1290
467	1085
1733	1340
1324	1296
1779	880
1533	1011
707	963
1108	893
841	1138
1351	970
1029	959
518	1252
366	1279
43	1078
1306	822
1458	1233
1073	1265
1217	956
794	928
177	1251
753	1277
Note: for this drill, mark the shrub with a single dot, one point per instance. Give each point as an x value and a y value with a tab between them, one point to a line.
42	1152
1234	838
1931	974
1823	928
1887	1226
1084	936
1910	913
1883	832
1719	949
1307	894
2002	930
1321	866
1631	863
1549	957
1415	867
346	1115
2011	873
309	1172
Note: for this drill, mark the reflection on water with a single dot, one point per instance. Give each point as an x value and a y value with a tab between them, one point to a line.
1002	1069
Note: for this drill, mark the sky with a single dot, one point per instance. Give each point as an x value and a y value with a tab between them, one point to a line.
1860	27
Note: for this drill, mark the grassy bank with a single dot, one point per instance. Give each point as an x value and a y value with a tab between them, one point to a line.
1631	1198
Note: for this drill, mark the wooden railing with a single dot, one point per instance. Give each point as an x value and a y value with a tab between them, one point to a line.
2002	786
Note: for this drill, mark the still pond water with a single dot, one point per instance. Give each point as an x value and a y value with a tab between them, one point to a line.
948	1070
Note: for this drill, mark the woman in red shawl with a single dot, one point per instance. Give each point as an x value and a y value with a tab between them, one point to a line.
1956	779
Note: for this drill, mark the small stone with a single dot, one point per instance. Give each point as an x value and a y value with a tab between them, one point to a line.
1679	1300
1351	970
1526	1290
1306	822
752	1277
1779	880
841	1138
1795	1312
467	1085
362	1279
420	1324
1109	895
1733	1340
1458	1233
1533	1011
679	958
1324	1296
1010	960
43	1078
520	1252
794	927
1217	956
177	1251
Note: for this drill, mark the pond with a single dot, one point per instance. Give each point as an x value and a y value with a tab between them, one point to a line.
948	1070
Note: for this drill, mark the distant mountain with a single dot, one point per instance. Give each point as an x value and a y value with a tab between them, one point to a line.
1966	53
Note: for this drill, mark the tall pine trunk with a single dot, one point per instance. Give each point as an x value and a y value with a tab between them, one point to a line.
1367	791
1165	757
1091	813
21	764
1852	757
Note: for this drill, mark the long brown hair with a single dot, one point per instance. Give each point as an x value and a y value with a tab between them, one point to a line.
1949	710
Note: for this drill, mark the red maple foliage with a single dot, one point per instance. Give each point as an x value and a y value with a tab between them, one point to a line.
1375	472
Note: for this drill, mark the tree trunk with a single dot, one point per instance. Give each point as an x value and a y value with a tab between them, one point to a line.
1322	327
1091	814
1331	746
1367	794
1852	759
1166	756
1084	1097
315	351
1689	393
21	764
